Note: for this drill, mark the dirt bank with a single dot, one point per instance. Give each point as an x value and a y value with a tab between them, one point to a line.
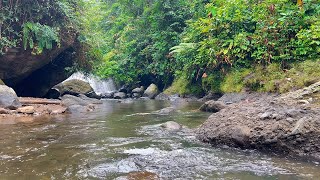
287	124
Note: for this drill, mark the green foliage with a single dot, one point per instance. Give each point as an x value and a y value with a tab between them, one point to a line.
241	34
36	23
235	80
39	37
182	87
141	33
272	78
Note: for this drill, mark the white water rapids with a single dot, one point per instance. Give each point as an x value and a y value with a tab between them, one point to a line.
100	86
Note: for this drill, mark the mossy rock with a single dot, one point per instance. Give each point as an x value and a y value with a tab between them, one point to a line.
1	82
74	87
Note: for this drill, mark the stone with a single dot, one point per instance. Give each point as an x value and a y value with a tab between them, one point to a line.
212	106
74	87
240	135
17	64
123	89
165	111
39	82
93	94
151	92
108	95
136	95
69	100
58	110
138	90
265	124
53	93
8	98
4	111
211	96
1	82
26	110
162	97
265	115
120	95
171	126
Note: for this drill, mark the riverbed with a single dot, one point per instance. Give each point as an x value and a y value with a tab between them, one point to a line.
120	138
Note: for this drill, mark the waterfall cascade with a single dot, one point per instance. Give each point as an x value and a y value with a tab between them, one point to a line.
100	86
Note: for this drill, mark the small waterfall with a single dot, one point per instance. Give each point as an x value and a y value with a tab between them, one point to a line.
100	86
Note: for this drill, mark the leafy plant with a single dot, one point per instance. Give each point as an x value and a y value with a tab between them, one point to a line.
39	37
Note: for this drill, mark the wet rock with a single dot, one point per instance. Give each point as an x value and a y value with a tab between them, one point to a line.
151	92
171	126
109	95
58	110
74	87
92	94
162	97
211	96
123	89
8	98
265	115
212	106
75	109
26	110
69	100
1	82
265	124
53	93
138	90
120	95
241	135
136	95
90	100
4	111
166	111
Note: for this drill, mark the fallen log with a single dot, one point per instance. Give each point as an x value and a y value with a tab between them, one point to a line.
27	100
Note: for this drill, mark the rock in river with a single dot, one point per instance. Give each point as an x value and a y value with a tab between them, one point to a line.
171	126
74	87
265	124
8	98
212	106
120	95
151	92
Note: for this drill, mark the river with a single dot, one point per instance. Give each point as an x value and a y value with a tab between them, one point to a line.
114	141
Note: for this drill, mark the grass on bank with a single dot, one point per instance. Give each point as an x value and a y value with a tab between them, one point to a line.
259	79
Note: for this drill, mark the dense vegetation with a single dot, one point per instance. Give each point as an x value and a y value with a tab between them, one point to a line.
209	45
183	46
35	24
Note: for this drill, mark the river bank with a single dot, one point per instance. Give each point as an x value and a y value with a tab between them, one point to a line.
286	124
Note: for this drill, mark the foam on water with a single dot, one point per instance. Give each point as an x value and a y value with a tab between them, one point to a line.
100	86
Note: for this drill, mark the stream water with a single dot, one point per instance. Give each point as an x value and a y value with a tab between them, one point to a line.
113	142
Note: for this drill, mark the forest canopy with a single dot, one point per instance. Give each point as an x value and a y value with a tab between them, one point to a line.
198	45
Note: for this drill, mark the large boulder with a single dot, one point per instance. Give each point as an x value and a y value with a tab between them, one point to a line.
8	98
74	87
151	92
79	104
39	82
212	106
17	63
265	124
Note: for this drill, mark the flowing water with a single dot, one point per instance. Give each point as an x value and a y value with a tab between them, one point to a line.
100	86
115	141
